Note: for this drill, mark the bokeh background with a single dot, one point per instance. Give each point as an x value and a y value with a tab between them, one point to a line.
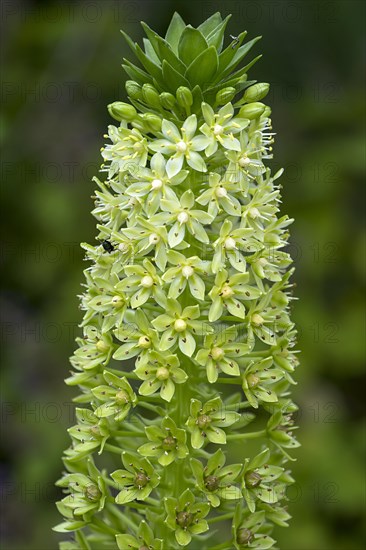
61	67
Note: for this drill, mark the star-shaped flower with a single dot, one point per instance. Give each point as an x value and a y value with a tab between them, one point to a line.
154	183
145	238
105	298
94	349
128	147
142	281
182	216
231	292
179	324
205	422
87	495
117	398
219	353
258	380
185	517
138	337
220	128
220	196
167	443
144	539
229	246
89	434
137	480
250	530
263	481
186	271
162	372
180	145
215	481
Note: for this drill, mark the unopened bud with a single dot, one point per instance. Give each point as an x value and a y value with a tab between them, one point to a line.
252	110
150	96
256	92
122	111
225	95
184	96
167	100
153	122
133	89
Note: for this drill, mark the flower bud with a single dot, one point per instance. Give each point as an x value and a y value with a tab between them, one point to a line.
141	480
244	536
184	96
150	96
225	95
256	92
184	519
133	89
167	100
252	479
92	493
169	443
152	122
122	111
102	346
252	110
212	483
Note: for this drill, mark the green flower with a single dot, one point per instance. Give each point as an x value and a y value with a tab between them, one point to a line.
162	372
230	293
166	443
145	238
141	283
144	539
180	145
229	246
186	271
89	434
205	422
245	164
258	379
185	517
179	325
87	495
218	196
105	298
117	398
182	217
220	127
128	146
137	336
95	349
154	183
135	482
250	530
219	353
215	481
263	481
280	431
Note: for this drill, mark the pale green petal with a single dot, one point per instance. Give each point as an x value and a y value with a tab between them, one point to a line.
190	126
196	162
174	165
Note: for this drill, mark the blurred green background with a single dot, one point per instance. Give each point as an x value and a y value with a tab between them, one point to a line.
62	66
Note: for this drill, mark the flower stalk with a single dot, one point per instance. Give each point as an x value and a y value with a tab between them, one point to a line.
188	346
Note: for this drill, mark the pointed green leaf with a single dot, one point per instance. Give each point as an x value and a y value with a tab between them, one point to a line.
174	32
216	37
203	68
163	49
172	78
191	45
210	24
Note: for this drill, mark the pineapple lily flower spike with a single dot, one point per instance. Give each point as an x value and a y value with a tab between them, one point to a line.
188	346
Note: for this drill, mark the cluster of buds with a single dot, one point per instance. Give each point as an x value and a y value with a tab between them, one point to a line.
187	297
